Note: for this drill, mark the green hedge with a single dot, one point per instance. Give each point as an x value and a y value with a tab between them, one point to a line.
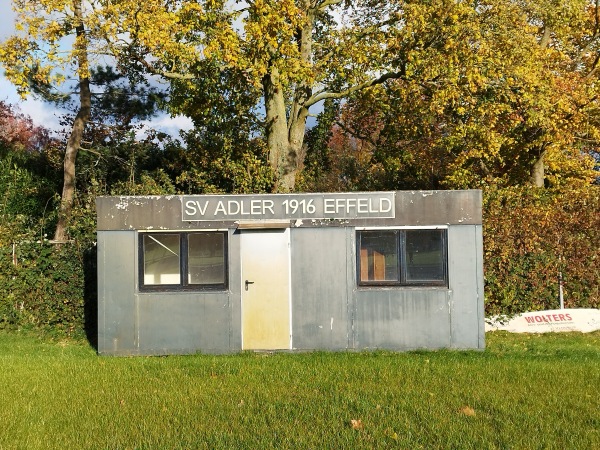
42	287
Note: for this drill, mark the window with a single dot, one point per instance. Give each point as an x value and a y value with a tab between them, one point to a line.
183	261
402	257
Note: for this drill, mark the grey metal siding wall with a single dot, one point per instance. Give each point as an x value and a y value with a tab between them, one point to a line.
402	318
235	290
465	265
188	322
480	287
183	322
116	299
319	280
130	322
406	318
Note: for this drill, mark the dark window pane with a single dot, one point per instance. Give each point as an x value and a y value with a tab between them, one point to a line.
161	259
424	256
206	258
378	256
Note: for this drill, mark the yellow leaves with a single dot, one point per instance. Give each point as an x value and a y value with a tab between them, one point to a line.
53	31
567	165
224	45
449	44
272	24
151	24
39	52
158	28
270	31
18	58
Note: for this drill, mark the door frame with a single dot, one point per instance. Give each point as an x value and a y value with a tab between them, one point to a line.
287	254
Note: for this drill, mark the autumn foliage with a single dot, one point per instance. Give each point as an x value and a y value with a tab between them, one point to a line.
532	235
18	130
416	94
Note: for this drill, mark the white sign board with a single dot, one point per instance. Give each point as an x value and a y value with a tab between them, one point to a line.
582	320
348	205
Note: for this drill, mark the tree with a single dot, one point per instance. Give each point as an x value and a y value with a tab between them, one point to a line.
44	24
224	152
27	183
55	40
568	34
112	151
318	163
18	130
521	108
292	54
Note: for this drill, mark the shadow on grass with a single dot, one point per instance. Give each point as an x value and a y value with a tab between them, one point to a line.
90	296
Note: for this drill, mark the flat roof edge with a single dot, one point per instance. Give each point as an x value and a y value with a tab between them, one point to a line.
381	208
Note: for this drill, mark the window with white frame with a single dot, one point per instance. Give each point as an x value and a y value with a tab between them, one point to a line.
183	261
402	257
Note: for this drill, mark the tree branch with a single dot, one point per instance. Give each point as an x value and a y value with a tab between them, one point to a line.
593	68
356	134
359	87
327	3
545	37
174	75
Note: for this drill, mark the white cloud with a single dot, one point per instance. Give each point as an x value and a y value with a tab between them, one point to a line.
179	122
167	124
48	116
42	113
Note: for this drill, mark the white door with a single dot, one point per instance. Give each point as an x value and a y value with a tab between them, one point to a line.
266	321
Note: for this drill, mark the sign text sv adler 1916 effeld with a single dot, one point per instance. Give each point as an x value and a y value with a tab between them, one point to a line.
352	205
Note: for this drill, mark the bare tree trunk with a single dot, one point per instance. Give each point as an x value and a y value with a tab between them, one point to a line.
74	141
285	133
285	136
276	130
536	175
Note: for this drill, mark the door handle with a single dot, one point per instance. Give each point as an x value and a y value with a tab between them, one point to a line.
247	283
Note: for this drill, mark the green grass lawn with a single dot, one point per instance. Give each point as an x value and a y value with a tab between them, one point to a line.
522	392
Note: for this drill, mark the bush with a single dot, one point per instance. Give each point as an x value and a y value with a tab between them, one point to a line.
41	286
532	235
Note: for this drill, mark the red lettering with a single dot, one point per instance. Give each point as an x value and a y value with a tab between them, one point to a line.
548	318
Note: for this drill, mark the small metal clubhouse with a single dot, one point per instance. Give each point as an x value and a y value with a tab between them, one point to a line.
393	270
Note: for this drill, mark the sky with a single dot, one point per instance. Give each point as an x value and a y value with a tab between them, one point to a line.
47	115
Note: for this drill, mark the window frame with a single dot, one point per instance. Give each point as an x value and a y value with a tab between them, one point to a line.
401	254
183	285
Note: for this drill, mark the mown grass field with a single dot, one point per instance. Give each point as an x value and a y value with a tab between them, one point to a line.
522	392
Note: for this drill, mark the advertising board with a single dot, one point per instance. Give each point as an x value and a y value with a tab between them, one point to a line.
574	319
